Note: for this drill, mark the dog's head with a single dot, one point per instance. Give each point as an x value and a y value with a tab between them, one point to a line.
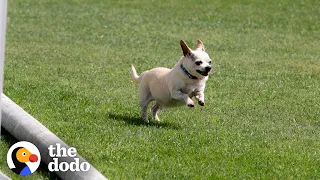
196	61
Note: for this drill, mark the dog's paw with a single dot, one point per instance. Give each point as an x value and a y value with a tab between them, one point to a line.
157	118
145	120
191	105
201	103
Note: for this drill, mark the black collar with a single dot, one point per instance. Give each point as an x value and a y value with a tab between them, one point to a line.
187	73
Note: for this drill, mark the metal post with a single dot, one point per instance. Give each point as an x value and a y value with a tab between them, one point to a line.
3	21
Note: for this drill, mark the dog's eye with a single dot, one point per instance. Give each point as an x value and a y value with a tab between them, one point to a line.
198	63
210	62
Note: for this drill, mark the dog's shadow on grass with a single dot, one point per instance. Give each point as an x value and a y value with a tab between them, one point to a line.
137	121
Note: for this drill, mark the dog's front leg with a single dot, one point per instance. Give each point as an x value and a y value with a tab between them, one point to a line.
200	97
177	94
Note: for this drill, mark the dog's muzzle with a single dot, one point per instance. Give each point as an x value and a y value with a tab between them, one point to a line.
205	72
208	69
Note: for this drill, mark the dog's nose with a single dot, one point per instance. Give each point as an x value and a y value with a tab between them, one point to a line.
208	68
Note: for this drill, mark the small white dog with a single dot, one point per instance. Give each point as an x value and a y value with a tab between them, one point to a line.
174	87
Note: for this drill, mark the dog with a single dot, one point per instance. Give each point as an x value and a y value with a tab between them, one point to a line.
174	87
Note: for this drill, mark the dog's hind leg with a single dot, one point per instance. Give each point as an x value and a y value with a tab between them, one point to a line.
155	110
144	102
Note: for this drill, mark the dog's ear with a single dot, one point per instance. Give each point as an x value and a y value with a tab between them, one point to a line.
200	45
185	49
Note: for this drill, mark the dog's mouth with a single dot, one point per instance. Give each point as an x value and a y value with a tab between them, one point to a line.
203	73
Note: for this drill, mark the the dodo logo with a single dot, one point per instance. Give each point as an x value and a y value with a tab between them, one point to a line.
23	158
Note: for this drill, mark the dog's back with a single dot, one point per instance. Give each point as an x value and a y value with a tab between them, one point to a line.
155	80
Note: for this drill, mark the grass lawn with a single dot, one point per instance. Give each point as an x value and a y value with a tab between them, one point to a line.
68	64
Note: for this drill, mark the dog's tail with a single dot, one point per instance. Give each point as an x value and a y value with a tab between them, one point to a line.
136	78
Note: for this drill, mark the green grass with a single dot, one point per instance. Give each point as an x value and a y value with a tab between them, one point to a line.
67	64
